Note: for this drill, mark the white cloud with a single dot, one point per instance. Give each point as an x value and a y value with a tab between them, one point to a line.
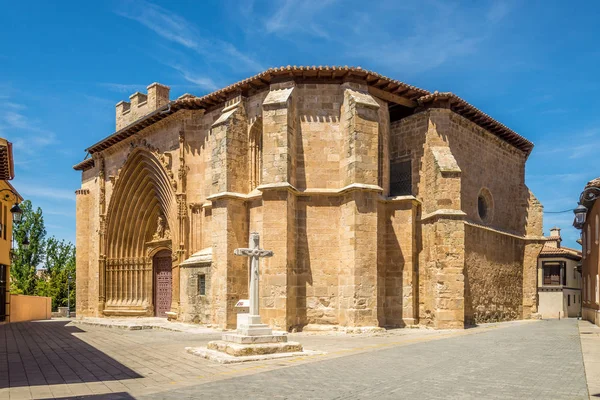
33	190
177	29
200	81
24	132
123	87
498	11
298	16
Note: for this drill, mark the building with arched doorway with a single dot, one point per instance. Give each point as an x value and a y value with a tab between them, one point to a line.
384	204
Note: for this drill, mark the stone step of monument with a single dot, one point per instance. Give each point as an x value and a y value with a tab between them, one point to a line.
255	330
243	339
240	350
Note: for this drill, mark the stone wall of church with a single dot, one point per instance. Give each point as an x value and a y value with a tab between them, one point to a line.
493	275
447	178
318	228
195	307
85	296
488	162
397	262
318	136
87	258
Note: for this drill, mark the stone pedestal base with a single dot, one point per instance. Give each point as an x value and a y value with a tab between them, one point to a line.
252	349
255	330
244	339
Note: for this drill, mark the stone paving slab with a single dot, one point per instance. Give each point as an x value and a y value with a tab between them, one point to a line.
590	347
538	359
541	360
134	324
224	358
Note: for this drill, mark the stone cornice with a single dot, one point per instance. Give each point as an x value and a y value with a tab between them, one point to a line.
399	199
444	213
257	193
541	239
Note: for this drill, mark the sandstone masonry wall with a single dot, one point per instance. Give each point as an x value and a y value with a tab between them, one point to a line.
493	276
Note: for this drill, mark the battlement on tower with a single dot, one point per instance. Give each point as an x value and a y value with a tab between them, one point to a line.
141	104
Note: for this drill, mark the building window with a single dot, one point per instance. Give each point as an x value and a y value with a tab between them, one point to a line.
583	247
401	178
256	145
551	273
588	246
589	291
485	204
481	207
202	285
568	300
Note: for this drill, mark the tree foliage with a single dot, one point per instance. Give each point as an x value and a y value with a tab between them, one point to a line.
25	261
58	257
60	265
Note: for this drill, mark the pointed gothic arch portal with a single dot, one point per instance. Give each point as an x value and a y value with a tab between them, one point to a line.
138	238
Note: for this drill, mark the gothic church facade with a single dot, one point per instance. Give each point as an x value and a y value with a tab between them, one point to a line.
384	204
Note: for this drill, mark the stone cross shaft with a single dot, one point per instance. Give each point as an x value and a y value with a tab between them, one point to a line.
254	252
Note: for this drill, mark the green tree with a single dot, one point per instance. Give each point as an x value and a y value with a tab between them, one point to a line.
25	261
60	264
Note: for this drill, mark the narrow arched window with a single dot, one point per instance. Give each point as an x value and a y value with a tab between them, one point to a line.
588	245
597	226
255	156
583	244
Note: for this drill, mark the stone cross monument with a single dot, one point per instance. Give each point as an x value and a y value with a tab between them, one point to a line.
252	326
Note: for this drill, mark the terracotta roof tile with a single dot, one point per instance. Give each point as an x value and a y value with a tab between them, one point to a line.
7	170
313	74
560	251
85	164
477	116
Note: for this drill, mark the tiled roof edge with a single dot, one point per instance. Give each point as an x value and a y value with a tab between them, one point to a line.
480	118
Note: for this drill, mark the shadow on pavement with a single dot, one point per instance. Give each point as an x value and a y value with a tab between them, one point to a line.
47	353
107	396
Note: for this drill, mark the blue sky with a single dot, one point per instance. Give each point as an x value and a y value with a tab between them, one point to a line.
64	65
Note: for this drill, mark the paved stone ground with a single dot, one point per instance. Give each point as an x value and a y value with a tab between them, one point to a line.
539	359
590	346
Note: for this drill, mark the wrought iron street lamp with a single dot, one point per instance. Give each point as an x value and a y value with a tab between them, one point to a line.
580	214
17	214
25	243
15	210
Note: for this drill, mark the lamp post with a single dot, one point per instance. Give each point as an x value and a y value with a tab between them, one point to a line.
17	214
580	214
69	296
587	198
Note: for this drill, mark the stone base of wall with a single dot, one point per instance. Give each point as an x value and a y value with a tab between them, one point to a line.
592	315
195	307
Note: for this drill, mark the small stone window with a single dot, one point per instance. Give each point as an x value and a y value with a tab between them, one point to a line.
202	285
401	178
485	205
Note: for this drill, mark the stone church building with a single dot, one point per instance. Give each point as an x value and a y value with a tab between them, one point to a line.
385	205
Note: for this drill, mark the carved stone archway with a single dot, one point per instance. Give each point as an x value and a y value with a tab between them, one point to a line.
143	199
